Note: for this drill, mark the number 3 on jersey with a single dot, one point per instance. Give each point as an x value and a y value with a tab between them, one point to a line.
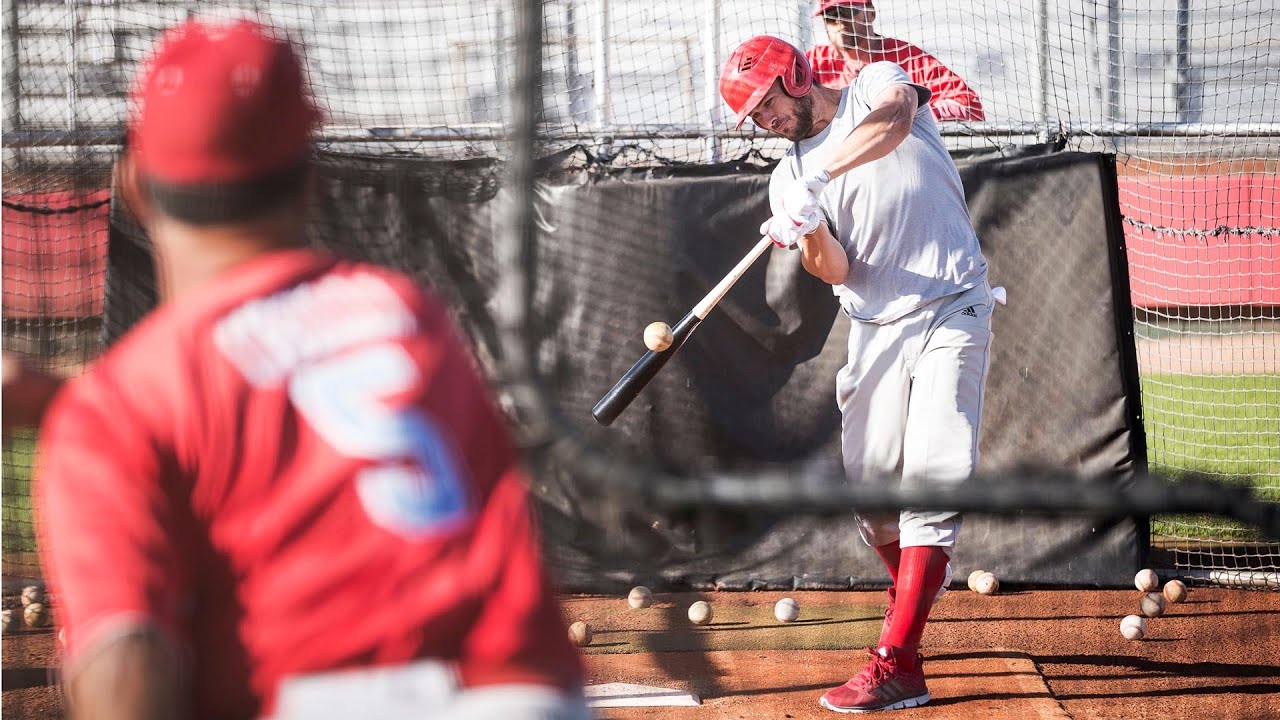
414	488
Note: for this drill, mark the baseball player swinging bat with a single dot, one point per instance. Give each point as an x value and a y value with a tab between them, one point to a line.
625	390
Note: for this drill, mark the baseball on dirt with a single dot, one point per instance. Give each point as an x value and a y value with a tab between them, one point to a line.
640	597
1152	604
1133	627
32	594
786	610
986	584
580	634
700	613
36	615
1146	580
6	619
973	579
1175	591
657	336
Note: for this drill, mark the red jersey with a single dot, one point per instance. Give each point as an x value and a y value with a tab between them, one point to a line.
952	99
292	469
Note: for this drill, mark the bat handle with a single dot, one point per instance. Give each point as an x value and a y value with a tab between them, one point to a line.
709	301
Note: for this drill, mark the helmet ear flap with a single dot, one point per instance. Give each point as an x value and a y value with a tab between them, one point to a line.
799	81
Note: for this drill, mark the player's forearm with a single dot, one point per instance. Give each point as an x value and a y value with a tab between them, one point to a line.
133	677
876	136
824	257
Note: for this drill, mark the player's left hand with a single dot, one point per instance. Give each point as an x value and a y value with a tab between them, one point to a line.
785	231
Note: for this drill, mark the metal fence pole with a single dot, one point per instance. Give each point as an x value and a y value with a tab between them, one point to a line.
711	73
12	79
1042	45
1183	89
600	64
1113	59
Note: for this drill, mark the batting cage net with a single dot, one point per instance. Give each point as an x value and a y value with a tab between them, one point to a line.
1121	172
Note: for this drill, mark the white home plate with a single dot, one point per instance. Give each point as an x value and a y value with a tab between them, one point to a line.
618	694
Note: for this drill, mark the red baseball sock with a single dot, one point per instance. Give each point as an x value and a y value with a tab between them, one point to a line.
920	574
891	555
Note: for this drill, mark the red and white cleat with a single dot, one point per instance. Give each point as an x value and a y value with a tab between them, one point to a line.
884	684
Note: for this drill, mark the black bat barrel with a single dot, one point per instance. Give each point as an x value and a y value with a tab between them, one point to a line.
625	390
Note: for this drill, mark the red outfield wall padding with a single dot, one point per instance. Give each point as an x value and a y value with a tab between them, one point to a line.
1227	261
55	254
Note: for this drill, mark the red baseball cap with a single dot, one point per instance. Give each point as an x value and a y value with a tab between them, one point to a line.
826	5
220	103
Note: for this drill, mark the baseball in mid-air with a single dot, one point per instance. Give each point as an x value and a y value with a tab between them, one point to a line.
1153	604
1146	580
36	615
640	597
786	610
1133	627
973	579
657	336
700	613
580	634
32	594
1175	591
986	584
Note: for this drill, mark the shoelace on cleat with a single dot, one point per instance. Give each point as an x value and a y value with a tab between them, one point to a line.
874	672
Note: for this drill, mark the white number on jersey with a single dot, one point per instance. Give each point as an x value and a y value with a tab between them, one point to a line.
414	488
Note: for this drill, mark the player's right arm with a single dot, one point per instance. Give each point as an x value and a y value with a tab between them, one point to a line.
107	526
821	254
824	257
893	100
133	678
27	393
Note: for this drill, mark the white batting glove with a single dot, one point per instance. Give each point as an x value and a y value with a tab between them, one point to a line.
785	231
816	182
800	201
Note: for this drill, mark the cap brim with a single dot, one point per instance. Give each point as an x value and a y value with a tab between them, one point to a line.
823	7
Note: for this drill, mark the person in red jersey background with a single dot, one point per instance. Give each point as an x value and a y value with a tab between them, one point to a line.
854	44
286	492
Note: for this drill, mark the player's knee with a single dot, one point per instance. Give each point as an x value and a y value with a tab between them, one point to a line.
932	529
878	529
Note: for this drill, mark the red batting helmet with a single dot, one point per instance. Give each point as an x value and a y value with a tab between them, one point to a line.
751	69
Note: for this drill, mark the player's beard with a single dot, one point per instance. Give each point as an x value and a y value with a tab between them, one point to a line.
802	128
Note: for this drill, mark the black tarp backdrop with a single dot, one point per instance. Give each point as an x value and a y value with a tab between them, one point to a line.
755	384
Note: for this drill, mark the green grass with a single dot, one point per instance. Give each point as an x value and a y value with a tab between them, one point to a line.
18	530
1227	427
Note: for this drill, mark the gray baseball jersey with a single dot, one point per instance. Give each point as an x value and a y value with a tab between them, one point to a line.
902	219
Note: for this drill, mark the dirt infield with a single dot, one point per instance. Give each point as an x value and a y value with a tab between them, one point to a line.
1020	654
1228	354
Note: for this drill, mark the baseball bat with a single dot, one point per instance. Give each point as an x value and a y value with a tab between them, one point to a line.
634	380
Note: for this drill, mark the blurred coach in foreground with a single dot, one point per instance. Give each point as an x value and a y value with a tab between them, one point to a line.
286	493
